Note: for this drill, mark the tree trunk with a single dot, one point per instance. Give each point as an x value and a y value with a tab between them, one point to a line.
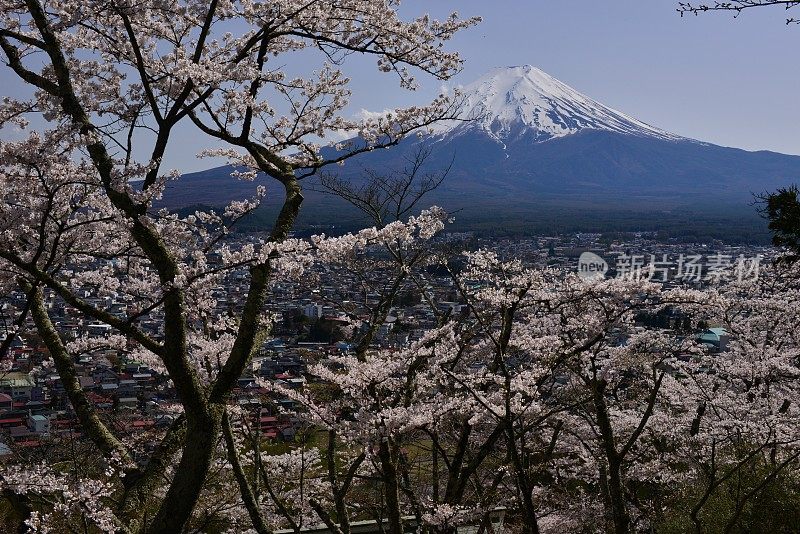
391	484
616	509
248	497
140	486
202	432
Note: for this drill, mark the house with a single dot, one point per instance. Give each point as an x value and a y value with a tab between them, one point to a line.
276	427
246	382
129	402
20	434
36	406
142	378
295	383
6	402
107	389
99	329
86	382
17	385
100	402
313	310
104	374
715	338
128	388
39	424
272	367
7	423
136	367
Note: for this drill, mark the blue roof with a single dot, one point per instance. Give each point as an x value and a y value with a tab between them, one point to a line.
713	335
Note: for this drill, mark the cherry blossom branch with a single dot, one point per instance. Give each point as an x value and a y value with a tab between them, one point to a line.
737	6
246	491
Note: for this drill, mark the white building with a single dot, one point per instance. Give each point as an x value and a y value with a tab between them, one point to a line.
39	424
313	310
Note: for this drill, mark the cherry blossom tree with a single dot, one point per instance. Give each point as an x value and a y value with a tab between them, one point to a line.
541	393
550	399
109	83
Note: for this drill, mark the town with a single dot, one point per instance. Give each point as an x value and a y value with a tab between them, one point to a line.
323	315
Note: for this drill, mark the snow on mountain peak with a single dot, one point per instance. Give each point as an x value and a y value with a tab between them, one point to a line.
523	100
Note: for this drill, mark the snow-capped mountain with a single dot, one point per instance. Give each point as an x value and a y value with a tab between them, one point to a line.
517	101
540	153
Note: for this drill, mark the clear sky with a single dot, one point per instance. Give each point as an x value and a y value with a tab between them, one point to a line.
716	78
733	82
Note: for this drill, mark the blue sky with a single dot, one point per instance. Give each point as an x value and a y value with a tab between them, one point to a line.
733	82
716	78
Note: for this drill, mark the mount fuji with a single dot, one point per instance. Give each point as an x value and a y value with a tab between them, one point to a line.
530	149
523	101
